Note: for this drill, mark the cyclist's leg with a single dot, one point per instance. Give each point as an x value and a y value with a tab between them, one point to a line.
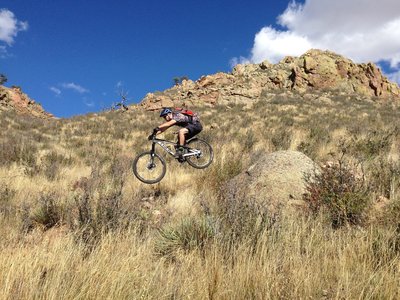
193	129
181	136
186	133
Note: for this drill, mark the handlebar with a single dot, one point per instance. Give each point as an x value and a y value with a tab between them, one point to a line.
153	134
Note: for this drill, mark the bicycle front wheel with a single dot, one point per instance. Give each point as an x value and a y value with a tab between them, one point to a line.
203	154
149	167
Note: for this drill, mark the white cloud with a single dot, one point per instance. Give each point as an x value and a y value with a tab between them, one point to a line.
239	60
362	30
55	90
88	102
273	45
10	26
395	77
75	87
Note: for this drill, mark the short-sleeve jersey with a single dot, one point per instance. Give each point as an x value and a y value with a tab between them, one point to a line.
182	119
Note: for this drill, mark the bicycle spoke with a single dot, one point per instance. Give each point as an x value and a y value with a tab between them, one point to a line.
149	169
202	154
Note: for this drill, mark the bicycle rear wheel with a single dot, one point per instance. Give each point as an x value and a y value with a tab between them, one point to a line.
149	167
204	154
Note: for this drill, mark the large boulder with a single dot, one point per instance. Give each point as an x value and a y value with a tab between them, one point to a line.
276	180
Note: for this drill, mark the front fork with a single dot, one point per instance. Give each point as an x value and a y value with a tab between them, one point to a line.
152	154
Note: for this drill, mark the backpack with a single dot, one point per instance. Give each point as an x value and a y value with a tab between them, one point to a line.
187	112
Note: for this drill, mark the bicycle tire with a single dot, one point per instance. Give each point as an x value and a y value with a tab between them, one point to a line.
158	163
206	157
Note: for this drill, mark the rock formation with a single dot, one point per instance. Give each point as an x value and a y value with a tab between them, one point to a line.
314	70
13	99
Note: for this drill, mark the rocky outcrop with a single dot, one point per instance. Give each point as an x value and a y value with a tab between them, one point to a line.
315	70
277	180
13	99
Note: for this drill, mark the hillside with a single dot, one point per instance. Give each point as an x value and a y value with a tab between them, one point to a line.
313	72
75	222
13	99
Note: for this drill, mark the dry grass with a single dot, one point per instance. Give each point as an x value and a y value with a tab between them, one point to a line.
76	224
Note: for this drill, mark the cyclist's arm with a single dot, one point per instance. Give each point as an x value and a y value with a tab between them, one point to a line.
165	126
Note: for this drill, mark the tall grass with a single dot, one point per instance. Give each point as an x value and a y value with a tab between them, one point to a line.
76	224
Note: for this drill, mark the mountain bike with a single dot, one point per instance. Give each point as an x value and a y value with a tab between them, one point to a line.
150	167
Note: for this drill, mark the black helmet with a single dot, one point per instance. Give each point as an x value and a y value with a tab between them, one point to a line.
165	111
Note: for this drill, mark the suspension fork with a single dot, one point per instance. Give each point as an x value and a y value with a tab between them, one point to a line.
152	154
152	151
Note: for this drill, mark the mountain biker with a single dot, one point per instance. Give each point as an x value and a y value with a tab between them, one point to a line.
190	127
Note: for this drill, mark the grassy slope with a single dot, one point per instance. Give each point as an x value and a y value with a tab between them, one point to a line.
75	223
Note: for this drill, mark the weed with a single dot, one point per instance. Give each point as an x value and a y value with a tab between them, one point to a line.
338	189
223	170
375	143
249	141
384	177
6	195
281	138
18	150
52	163
188	235
241	219
49	213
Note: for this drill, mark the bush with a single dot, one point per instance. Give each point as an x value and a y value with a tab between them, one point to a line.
188	235
18	150
48	214
341	192
316	137
374	144
242	220
6	195
223	170
281	138
52	163
3	78
384	177
99	203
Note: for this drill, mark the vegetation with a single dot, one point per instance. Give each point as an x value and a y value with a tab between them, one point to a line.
75	223
178	80
3	79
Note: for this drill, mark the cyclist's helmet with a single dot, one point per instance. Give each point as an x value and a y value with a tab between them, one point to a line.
165	111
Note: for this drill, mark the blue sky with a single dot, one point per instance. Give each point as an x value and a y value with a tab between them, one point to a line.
73	56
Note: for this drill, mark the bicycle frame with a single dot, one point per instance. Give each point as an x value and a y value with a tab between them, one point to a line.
163	144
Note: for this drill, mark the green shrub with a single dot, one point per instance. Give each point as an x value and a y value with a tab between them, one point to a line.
317	136
188	235
375	143
281	138
384	177
49	213
338	189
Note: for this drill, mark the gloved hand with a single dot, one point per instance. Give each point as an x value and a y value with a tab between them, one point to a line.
150	137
